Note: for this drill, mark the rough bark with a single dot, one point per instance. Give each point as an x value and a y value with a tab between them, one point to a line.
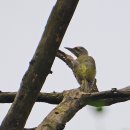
107	97
68	59
74	100
52	98
70	102
40	65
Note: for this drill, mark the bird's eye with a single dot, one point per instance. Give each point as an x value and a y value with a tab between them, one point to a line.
81	47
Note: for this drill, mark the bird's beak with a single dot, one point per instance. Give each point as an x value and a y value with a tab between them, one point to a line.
70	49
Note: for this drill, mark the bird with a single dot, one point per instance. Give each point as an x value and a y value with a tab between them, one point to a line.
84	67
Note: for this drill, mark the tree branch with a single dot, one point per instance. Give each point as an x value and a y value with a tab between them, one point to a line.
74	100
40	65
52	98
68	59
107	97
110	97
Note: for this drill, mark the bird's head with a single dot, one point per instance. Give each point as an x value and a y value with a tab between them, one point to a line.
78	51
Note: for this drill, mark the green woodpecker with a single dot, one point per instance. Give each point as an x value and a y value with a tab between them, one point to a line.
84	67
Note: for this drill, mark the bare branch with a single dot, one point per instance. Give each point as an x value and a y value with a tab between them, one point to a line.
52	98
58	117
68	59
40	65
110	97
107	97
74	100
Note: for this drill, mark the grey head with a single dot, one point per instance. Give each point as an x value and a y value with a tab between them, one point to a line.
78	51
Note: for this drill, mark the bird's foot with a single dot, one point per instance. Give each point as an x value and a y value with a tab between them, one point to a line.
88	87
85	86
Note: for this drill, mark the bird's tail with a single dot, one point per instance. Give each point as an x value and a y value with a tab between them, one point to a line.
84	86
88	86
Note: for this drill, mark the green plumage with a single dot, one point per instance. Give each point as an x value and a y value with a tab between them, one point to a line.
84	67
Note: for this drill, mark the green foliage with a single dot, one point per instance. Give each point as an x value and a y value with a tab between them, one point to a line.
98	104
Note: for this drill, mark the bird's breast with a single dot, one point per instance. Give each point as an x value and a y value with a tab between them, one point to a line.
81	70
85	70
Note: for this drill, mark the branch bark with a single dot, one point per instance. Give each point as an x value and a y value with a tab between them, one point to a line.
71	101
68	59
40	65
52	98
74	100
107	97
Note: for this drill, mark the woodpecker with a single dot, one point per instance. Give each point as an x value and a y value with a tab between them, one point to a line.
84	67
